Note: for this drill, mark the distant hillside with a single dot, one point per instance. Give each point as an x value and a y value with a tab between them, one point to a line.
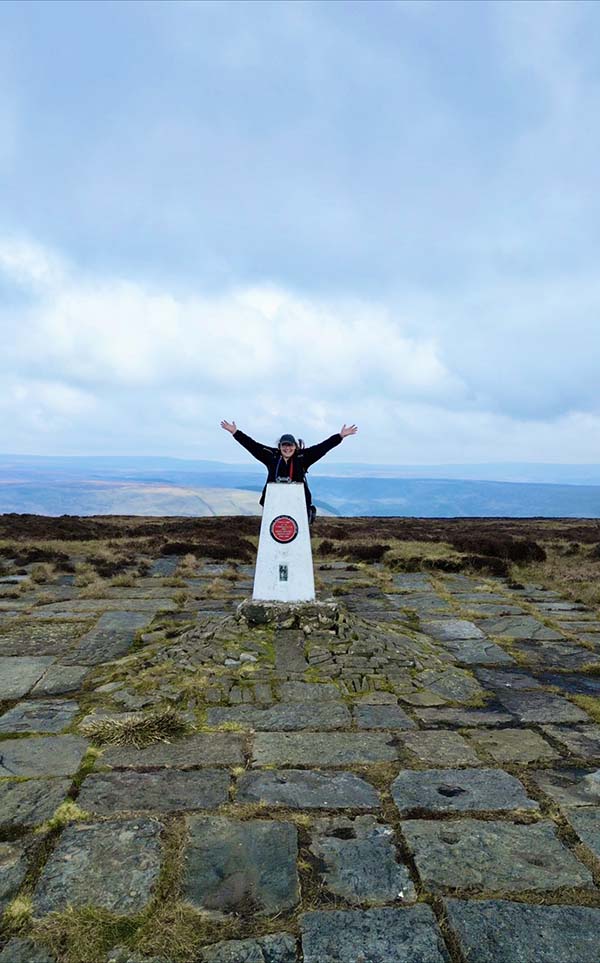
165	487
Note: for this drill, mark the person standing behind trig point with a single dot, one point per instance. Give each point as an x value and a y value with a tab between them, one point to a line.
288	462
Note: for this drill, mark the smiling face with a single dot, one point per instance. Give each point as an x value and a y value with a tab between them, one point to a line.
287	450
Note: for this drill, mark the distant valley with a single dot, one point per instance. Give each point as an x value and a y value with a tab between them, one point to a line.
169	486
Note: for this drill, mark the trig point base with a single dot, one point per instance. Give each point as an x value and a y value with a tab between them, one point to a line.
284	567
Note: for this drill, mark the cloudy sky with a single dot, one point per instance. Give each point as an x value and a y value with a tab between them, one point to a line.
299	214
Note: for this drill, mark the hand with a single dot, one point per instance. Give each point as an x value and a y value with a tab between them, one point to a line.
350	430
229	426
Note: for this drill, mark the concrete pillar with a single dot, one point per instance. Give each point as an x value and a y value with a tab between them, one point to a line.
284	567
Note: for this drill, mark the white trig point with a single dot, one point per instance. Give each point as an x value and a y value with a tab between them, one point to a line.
284	567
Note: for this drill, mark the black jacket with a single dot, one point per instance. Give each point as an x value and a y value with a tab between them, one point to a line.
295	468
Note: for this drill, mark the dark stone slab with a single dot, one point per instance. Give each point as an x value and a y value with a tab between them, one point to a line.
113	865
202	749
18	675
513	745
382	935
162	791
13	866
39	716
24	951
294	715
42	756
518	627
492	856
32	637
478	652
457	685
309	692
230	864
30	803
447	630
541	707
111	637
570	786
503	679
586	823
574	683
164	567
382	717
278	948
358	861
289	652
498	931
582	741
441	747
463	717
60	680
565	654
322	748
303	789
459	790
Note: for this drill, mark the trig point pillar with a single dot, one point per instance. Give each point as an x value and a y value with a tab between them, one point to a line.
284	567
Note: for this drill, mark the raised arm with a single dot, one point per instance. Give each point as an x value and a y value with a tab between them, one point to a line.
312	454
261	452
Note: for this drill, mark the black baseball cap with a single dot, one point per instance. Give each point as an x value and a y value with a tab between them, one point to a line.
288	440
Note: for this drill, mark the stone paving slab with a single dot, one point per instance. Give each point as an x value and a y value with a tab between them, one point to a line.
507	679
541	707
518	627
30	803
322	749
586	823
165	791
24	951
61	680
581	741
463	717
308	692
478	652
513	745
28	637
459	790
382	717
277	948
42	756
441	748
18	674
321	715
111	638
39	716
358	860
570	786
13	866
202	749
449	630
384	935
304	789
563	653
113	865
492	856
229	863
572	683
453	684
79	607
498	931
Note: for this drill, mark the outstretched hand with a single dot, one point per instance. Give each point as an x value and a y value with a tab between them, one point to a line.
349	430
229	426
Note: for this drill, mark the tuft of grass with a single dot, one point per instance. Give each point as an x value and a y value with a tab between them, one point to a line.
176	931
122	581
67	812
83	934
42	572
141	731
589	704
17	915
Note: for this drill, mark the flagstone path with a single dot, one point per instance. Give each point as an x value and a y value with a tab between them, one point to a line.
408	779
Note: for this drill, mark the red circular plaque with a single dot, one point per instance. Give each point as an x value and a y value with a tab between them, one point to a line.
284	528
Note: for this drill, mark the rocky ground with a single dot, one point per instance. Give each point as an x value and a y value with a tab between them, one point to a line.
406	774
